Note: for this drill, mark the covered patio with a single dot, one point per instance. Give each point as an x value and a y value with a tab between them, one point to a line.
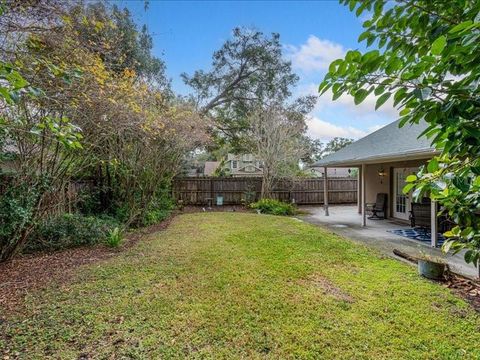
346	221
384	159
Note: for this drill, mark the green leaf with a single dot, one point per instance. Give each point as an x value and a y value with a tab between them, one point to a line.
451	244
411	178
470	256
407	188
322	86
460	26
370	56
360	95
438	45
333	66
405	111
461	184
379	90
432	165
336	95
382	99
6	95
394	64
399	95
363	36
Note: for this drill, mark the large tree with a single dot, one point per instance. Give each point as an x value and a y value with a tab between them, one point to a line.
427	57
248	71
277	138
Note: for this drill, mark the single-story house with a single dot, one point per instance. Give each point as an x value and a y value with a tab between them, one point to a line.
384	159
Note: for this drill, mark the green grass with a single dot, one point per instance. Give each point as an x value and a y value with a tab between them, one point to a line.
235	285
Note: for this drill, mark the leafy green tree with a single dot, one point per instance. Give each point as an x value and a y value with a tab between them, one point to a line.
314	150
318	150
112	33
42	144
336	144
428	60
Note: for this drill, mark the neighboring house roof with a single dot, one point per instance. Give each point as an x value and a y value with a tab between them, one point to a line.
390	143
248	168
210	167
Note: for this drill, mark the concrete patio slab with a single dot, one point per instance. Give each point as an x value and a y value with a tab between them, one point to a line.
345	221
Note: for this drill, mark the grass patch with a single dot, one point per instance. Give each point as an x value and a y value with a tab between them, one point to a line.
237	285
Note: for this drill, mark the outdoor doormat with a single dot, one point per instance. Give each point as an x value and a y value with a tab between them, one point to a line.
418	234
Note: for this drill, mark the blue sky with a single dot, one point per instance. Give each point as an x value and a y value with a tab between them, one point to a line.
313	33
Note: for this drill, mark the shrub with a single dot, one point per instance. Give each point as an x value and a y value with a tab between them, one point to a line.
274	207
17	211
69	230
115	237
159	209
155	216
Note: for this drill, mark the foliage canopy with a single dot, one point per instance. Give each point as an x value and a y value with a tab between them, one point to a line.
427	58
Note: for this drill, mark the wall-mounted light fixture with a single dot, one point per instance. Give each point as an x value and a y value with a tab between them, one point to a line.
381	173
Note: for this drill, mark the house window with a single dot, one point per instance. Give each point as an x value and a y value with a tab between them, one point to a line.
234	164
248	157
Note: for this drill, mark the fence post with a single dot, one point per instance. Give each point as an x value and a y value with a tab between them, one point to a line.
325	190
211	189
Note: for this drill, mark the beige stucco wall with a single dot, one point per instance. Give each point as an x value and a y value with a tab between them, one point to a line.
374	184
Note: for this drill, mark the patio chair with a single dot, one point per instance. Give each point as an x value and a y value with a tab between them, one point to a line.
420	214
380	206
420	217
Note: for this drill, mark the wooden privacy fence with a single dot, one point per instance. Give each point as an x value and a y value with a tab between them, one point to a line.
235	191
60	201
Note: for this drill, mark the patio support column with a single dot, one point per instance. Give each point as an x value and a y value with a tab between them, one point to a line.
325	190
434	223
359	189
364	197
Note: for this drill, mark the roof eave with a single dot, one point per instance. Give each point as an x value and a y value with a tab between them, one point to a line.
410	155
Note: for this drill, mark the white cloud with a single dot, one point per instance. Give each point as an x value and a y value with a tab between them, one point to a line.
324	130
312	59
316	54
347	104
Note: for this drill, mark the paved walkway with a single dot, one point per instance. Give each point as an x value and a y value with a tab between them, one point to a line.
346	221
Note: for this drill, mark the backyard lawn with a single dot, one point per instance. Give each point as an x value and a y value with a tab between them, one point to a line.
238	285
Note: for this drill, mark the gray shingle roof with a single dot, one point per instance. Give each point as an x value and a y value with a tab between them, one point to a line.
389	143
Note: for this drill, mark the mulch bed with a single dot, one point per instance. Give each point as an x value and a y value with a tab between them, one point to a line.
465	288
28	273
224	208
